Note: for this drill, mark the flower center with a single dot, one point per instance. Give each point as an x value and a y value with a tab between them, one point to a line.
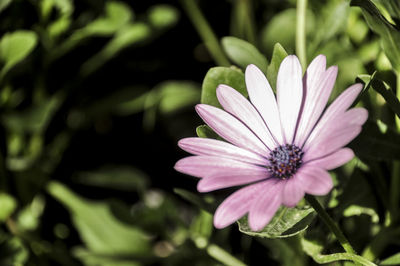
284	161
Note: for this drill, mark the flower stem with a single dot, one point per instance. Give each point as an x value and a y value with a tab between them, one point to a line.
301	32
330	223
207	35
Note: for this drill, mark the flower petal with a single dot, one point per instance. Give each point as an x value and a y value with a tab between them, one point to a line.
342	123
213	147
263	99
333	160
329	142
231	129
236	205
314	180
292	192
289	95
220	181
338	107
202	166
236	104
266	204
316	98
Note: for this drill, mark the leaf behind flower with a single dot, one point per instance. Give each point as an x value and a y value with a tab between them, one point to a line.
287	222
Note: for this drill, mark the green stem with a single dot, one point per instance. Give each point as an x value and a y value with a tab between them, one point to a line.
301	32
330	223
203	28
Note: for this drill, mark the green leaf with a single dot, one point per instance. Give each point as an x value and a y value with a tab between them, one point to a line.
201	229
281	28
244	53
117	14
390	36
388	94
124	37
375	145
35	119
313	249
99	229
115	177
221	75
29	217
278	55
205	131
12	251
4	4
8	205
89	258
358	210
392	6
392	260
175	95
286	222
205	203
163	16
15	47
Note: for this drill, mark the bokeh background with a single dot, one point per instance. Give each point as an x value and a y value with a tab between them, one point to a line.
94	96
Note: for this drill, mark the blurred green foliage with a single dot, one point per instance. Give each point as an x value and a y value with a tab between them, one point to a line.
55	56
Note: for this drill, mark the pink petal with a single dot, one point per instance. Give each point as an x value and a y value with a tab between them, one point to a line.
342	123
338	107
314	180
266	204
316	98
236	205
355	116
333	160
220	181
330	141
292	192
213	147
289	95
263	98
236	104
202	166
231	129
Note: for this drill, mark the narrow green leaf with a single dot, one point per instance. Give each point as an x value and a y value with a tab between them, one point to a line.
388	94
221	75
392	6
124	37
4	4
15	47
286	222
390	36
8	205
205	203
314	250
201	228
243	53
278	55
392	260
116	177
99	229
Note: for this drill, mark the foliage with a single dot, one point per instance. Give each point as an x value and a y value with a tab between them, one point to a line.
94	96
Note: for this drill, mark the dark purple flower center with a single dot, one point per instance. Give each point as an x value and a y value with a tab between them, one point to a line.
284	161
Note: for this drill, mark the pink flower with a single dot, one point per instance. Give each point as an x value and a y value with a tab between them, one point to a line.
280	148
